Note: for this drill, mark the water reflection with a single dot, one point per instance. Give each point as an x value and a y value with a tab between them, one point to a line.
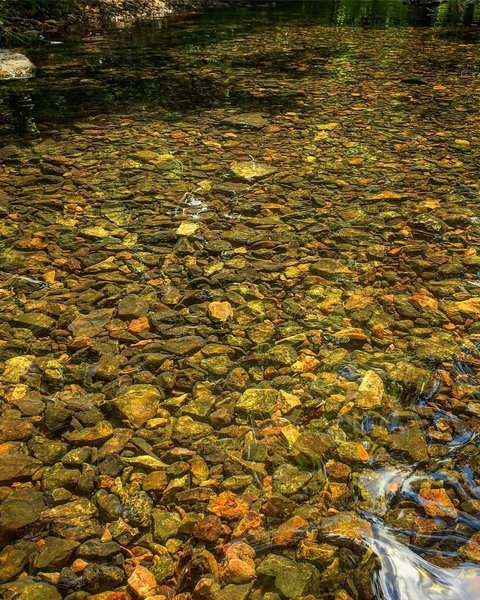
171	63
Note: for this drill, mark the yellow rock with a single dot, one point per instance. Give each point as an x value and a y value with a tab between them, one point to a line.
187	229
17	367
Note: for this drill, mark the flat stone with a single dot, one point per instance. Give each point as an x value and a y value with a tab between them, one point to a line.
411	376
352	452
411	441
184	345
330	266
257	402
187	229
98	549
132	307
17	367
21	507
99	433
440	345
13	559
251	170
54	553
38	323
250	120
92	324
165	525
17	466
313	445
288	479
28	589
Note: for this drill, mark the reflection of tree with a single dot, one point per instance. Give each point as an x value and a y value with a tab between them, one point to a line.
17	108
401	12
180	68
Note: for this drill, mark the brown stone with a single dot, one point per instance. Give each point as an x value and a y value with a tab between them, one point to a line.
208	529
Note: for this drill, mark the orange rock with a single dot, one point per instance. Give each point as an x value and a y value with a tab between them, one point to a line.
79	565
387	195
250	522
139	325
357	302
436	503
228	505
239	567
287	532
238	571
220	311
142	582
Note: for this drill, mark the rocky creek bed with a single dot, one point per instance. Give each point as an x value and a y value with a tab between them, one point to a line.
239	324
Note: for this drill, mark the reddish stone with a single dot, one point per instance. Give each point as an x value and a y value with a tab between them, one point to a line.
208	529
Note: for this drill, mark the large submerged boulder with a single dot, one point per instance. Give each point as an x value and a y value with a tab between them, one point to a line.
14	65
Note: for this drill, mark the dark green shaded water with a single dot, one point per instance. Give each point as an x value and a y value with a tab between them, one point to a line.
239	308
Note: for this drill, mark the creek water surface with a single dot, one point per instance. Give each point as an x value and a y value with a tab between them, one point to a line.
239	308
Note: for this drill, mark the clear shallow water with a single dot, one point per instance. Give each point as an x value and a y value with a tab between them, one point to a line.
315	167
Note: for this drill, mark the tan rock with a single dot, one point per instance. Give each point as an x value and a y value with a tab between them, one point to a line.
220	311
371	391
239	567
142	582
138	403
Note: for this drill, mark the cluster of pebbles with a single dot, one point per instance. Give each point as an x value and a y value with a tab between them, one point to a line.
230	339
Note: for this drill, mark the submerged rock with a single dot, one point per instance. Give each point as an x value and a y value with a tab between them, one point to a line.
259	402
252	120
138	404
251	170
293	579
371	392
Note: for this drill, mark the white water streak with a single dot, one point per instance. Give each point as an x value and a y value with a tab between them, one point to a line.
406	576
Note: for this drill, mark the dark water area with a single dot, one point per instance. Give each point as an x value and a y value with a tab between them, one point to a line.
240	308
167	63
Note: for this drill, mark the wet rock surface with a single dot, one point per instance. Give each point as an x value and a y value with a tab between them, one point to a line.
14	65
237	342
